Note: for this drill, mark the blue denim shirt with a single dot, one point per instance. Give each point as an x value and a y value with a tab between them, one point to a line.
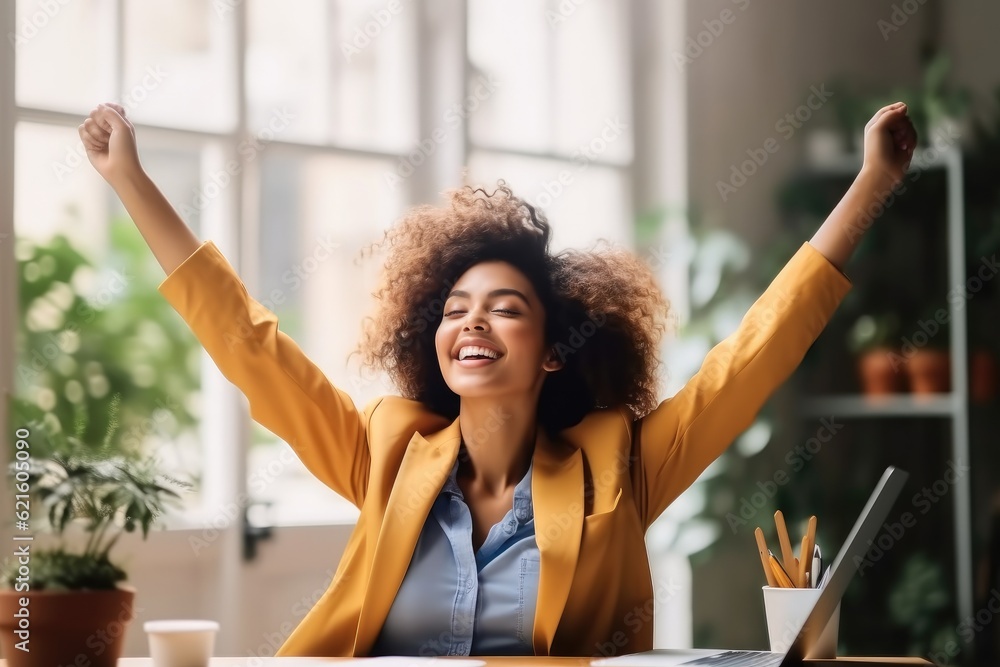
455	602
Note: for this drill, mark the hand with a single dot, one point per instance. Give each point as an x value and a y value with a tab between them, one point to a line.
889	142
110	142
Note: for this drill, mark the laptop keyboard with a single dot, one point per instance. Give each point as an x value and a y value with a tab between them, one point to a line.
740	659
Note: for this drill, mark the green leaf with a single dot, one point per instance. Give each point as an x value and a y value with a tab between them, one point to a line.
59	570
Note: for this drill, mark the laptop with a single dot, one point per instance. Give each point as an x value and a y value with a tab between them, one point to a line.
855	548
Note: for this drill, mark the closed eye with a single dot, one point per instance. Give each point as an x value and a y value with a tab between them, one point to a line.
496	310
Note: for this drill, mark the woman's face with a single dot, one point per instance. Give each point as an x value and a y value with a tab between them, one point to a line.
495	303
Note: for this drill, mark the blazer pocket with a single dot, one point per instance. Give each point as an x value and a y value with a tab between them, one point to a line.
596	516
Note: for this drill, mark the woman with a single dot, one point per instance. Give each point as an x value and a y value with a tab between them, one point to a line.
505	495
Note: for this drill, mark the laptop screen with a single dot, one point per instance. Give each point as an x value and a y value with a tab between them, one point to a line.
845	565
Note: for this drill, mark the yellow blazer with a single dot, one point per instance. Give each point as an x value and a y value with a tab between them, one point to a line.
596	487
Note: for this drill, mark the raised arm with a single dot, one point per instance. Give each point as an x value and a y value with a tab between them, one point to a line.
288	394
889	142
685	433
109	139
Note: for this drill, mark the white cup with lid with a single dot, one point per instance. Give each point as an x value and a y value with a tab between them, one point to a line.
181	643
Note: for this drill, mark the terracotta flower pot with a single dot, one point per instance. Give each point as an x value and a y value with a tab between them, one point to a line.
930	371
877	374
65	627
983	376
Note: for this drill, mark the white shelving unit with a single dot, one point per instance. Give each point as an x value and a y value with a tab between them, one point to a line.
953	405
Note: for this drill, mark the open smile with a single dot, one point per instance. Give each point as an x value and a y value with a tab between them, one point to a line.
475	363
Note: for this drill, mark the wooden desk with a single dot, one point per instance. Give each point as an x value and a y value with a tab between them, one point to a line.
316	662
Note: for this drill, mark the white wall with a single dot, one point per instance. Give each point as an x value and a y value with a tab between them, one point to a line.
760	68
970	36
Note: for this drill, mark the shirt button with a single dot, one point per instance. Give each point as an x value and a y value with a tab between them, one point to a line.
468	585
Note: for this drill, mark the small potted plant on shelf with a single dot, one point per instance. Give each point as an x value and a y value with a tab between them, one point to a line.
68	606
926	352
872	340
984	371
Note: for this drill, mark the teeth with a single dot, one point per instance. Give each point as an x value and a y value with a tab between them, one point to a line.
471	350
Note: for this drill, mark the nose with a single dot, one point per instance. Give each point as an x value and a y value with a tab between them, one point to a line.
477	319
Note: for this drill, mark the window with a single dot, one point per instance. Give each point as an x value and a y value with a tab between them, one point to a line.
317	211
64	59
327	107
549	118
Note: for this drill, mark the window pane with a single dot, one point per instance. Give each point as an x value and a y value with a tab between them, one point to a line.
556	87
55	188
346	70
373	73
62	54
317	213
91	324
287	67
582	205
517	113
178	69
592	91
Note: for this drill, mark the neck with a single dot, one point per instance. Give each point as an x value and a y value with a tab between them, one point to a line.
498	438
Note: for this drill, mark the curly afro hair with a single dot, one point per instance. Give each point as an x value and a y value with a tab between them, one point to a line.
604	312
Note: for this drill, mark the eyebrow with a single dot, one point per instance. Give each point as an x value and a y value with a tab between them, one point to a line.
497	292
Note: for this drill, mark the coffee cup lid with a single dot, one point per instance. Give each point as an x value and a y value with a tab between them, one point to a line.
180	626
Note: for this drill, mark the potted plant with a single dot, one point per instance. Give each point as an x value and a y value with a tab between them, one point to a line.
930	371
984	371
879	370
68	606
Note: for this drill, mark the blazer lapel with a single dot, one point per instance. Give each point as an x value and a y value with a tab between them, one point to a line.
557	497
422	473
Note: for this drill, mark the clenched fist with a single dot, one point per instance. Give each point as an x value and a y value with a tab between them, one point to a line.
889	142
110	142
